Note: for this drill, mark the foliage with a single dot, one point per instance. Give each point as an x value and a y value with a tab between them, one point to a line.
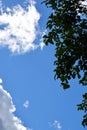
83	106
67	30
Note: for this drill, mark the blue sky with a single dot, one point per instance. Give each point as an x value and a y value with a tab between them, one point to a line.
30	98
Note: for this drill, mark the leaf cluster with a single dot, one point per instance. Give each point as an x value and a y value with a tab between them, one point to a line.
67	30
83	107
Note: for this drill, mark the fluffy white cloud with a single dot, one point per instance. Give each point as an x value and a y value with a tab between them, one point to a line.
8	121
26	104
19	28
56	124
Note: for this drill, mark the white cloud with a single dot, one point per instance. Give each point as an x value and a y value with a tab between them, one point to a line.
42	44
19	28
56	124
8	121
26	104
1	81
84	3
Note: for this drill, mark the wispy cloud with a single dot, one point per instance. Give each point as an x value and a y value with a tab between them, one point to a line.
19	28
56	124
26	104
8	121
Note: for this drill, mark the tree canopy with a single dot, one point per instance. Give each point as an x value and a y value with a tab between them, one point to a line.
67	30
